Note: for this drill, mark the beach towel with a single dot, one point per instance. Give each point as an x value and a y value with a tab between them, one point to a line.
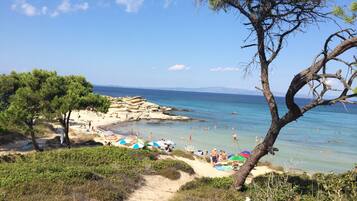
224	168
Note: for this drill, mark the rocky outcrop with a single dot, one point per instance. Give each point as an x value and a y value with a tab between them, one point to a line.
122	109
137	108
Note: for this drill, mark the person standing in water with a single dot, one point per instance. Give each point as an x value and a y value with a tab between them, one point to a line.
235	140
235	137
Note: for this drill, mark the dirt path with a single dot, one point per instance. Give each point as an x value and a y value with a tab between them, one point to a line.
204	169
159	188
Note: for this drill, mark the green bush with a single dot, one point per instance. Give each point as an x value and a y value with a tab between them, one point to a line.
183	154
209	194
170	173
169	163
277	187
221	183
99	173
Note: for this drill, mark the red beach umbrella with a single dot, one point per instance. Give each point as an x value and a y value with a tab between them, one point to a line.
245	155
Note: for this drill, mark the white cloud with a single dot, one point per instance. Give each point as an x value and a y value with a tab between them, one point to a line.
66	6
44	10
25	8
334	83
131	6
224	69
178	67
82	6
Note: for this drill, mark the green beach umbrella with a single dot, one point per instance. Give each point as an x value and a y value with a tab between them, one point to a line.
237	158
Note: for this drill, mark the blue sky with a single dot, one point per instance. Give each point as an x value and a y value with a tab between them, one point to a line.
142	43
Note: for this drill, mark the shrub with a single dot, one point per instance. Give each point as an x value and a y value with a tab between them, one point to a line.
183	154
221	183
97	173
277	187
169	163
209	194
170	173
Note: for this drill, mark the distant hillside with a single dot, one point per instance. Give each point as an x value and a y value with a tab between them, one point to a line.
219	90
223	90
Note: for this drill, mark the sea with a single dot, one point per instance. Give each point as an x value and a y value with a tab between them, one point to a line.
323	140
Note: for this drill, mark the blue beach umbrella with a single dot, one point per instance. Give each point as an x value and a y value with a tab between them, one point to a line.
246	152
137	146
154	144
123	141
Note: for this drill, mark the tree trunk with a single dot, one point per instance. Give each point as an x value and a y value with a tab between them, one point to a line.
66	130
259	151
33	139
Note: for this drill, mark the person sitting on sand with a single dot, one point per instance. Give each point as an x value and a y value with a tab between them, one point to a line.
214	156
235	165
223	156
220	155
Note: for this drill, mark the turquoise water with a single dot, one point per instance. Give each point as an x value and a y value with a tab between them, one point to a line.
325	139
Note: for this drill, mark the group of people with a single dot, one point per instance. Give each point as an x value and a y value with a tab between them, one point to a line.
217	157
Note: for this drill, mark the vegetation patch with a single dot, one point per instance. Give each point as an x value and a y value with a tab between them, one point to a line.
271	166
98	173
183	154
170	168
277	187
208	194
170	173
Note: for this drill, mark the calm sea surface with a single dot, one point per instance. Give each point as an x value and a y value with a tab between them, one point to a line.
324	139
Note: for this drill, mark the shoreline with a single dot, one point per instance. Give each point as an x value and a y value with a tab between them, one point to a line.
123	110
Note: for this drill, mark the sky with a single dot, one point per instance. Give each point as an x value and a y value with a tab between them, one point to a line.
143	43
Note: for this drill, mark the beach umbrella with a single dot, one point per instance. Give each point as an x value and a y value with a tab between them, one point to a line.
137	146
123	141
237	158
154	144
161	143
169	142
245	154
